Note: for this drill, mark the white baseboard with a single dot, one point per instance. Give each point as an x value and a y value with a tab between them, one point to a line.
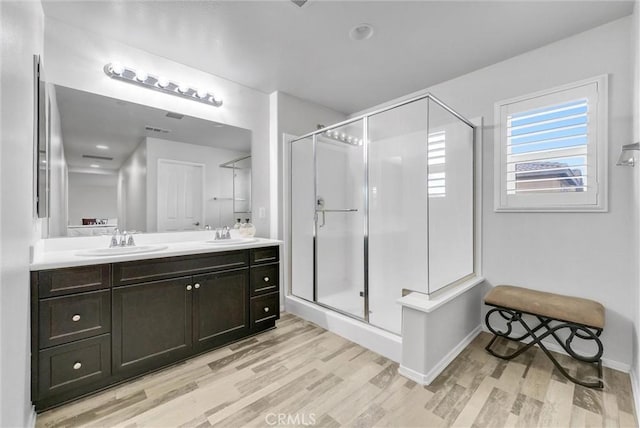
606	362
417	377
635	387
427	378
32	418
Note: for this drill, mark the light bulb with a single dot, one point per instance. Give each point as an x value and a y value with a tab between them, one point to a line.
202	94
163	82
216	100
141	75
183	88
117	68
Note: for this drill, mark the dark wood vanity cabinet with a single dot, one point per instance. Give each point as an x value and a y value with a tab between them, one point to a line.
151	325
100	325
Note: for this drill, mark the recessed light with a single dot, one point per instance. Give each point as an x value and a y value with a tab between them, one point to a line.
94	165
361	32
102	147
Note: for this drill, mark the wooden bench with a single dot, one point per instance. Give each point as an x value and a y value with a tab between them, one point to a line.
582	318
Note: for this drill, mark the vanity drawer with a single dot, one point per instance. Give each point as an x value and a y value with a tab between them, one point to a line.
69	318
170	267
265	279
265	255
265	308
59	282
74	366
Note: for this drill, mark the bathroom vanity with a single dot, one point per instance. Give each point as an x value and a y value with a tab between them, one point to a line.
95	324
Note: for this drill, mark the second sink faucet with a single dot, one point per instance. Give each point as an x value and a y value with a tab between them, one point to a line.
225	233
121	240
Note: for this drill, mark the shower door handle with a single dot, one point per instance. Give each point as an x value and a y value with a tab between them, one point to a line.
324	220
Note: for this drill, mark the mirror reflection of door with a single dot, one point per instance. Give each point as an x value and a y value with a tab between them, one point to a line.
180	196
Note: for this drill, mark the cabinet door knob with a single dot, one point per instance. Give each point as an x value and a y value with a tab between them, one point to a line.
197	285
265	279
266	309
75	318
188	287
77	365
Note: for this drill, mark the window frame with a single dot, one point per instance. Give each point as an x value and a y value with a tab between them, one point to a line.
594	199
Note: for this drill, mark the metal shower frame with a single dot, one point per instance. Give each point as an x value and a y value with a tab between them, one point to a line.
365	144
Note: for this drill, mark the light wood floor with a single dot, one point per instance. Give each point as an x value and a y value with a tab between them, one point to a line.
313	377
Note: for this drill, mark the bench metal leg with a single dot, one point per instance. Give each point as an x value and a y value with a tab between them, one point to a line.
576	330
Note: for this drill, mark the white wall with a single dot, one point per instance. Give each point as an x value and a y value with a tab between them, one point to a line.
75	59
21	30
92	196
218	181
132	190
581	254
635	45
58	185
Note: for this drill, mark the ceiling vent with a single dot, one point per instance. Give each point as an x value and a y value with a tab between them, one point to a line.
173	115
299	3
107	158
156	129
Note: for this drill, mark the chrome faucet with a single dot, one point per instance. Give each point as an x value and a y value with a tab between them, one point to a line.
224	233
121	240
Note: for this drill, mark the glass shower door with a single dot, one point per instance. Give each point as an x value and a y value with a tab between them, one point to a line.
340	208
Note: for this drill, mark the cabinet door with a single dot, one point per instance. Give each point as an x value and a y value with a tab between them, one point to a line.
221	310
152	324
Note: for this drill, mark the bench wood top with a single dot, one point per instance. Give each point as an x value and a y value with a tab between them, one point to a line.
565	308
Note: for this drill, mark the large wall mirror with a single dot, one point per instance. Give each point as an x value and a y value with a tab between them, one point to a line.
115	164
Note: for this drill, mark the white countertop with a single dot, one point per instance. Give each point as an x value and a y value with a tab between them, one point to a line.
62	252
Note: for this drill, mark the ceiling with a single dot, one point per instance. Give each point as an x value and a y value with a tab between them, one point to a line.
306	51
88	120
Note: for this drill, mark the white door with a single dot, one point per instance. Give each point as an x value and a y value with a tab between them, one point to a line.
180	196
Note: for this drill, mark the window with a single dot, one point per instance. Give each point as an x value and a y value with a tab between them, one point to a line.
436	142
551	149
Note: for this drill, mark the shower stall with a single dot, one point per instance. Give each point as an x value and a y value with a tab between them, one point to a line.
382	205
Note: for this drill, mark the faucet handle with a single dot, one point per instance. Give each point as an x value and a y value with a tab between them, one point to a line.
218	234
114	238
130	241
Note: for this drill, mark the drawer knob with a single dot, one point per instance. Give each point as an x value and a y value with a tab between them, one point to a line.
75	318
197	285
266	309
77	365
266	279
188	287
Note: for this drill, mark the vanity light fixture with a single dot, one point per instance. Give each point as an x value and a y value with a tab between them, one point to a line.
141	78
341	136
627	156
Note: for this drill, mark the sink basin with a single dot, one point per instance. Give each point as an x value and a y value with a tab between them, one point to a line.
119	251
232	241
